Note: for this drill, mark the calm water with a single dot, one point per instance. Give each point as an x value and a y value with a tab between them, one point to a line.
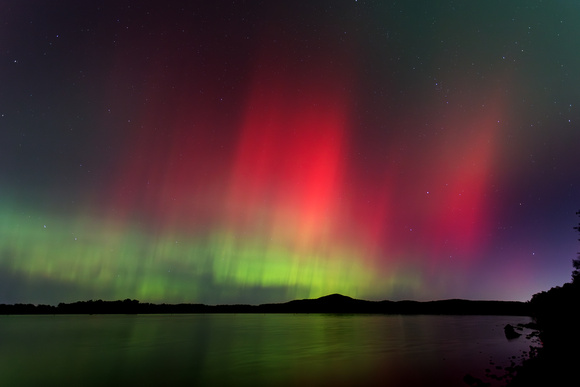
253	350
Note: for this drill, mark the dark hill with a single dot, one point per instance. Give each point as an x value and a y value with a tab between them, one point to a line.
336	303
333	303
336	298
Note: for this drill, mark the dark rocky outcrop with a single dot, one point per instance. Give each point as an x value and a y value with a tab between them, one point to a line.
510	332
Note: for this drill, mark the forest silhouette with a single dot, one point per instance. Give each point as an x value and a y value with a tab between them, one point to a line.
558	320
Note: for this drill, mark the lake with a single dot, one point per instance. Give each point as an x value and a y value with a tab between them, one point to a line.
255	350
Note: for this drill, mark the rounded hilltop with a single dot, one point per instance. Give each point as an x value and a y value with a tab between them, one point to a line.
335	297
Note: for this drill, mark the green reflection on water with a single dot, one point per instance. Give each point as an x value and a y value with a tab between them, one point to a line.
252	350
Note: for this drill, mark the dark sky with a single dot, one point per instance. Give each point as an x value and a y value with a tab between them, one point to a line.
260	151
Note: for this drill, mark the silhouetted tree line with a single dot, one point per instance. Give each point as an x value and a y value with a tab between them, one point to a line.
27	309
334	303
559	304
556	314
576	262
126	306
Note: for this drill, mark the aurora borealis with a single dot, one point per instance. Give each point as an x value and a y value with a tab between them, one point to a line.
261	151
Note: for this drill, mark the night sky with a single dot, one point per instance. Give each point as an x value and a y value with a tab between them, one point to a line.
261	151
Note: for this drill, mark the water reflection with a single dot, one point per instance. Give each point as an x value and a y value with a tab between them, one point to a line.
252	350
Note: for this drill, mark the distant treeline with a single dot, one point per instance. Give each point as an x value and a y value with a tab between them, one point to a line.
329	304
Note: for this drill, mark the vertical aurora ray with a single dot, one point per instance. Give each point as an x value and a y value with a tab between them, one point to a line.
463	173
289	163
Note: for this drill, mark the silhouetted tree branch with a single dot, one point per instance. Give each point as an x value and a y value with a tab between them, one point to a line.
576	262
